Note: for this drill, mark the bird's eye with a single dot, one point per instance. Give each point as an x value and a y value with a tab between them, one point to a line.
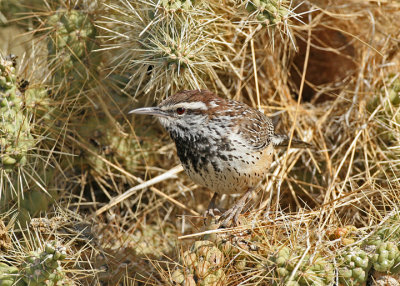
180	110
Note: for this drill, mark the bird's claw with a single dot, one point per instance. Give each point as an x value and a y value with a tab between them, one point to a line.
234	212
231	215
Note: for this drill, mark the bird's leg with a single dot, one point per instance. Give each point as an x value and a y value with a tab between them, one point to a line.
211	206
235	210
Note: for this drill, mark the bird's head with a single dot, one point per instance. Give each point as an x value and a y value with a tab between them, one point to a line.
185	113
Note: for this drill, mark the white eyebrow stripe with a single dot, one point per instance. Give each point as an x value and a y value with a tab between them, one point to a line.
187	105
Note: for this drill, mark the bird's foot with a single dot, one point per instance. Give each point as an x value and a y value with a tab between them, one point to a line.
231	215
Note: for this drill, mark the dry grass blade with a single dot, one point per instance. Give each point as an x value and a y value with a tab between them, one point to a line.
165	176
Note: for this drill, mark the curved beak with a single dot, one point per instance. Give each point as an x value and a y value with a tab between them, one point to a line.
149	111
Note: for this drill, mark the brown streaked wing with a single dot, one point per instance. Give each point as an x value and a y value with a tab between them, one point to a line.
255	127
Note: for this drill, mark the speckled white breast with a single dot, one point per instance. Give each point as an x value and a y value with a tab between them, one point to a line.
237	174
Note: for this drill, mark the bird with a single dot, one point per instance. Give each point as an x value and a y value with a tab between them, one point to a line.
222	144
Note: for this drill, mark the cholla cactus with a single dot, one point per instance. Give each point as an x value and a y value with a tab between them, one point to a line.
202	263
72	62
383	246
388	115
44	266
40	268
19	140
163	51
385	255
15	135
174	6
310	270
354	265
269	12
8	274
37	101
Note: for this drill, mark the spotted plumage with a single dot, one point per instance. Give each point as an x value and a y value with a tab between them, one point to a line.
224	145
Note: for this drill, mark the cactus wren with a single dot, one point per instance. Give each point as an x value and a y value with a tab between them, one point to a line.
224	145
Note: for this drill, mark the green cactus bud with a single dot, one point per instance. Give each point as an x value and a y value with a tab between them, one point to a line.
15	137
318	271
70	46
8	274
354	265
43	268
282	272
50	263
6	160
49	248
283	256
384	258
